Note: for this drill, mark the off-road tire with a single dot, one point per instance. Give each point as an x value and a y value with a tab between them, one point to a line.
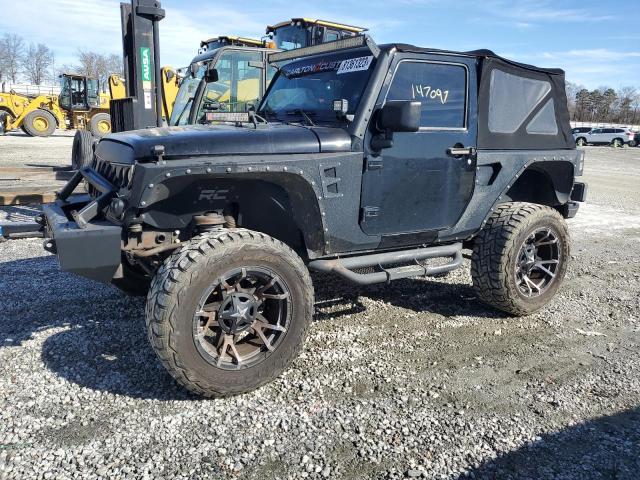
494	256
95	122
82	150
36	117
178	285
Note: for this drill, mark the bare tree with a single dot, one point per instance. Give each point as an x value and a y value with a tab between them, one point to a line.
98	65
36	62
11	51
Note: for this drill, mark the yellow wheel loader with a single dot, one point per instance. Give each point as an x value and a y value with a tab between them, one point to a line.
81	105
37	116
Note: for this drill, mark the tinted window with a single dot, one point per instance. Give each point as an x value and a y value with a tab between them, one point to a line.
608	130
441	89
596	131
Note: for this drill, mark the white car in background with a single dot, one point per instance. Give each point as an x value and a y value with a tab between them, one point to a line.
614	136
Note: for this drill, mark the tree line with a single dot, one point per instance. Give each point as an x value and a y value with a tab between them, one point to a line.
604	104
35	63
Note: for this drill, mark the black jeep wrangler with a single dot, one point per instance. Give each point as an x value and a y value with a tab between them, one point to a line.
370	162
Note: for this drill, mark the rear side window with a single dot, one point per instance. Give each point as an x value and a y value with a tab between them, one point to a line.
513	99
440	88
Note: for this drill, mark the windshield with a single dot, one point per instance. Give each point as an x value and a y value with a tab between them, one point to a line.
290	37
184	99
307	88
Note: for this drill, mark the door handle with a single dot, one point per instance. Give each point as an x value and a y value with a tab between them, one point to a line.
461	151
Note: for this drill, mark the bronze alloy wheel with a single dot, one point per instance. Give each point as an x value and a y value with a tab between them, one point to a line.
538	261
242	317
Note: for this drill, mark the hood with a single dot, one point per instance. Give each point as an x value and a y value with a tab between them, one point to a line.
195	140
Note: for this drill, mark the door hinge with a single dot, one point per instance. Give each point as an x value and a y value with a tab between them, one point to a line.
374	163
370	212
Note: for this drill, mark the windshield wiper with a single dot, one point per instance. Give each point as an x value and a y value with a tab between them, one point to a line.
299	111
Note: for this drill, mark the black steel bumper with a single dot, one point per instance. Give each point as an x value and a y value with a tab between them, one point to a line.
84	244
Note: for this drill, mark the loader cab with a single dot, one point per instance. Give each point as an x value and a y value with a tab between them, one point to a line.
78	92
231	78
305	32
228	41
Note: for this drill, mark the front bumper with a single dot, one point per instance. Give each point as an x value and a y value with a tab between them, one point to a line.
84	245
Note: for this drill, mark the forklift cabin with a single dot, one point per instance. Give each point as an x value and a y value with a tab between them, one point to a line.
305	32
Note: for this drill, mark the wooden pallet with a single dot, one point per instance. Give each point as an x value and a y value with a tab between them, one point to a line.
32	185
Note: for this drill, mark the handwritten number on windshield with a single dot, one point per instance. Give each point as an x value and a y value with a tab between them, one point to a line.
427	92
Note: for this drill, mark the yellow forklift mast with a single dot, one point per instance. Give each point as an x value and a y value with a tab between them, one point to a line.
305	32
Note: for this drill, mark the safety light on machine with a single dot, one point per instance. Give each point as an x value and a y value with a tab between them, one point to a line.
342	44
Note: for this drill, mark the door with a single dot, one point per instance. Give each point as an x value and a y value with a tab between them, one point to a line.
596	136
415	186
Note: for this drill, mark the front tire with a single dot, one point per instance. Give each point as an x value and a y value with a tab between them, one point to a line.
82	150
520	257
581	142
39	123
229	311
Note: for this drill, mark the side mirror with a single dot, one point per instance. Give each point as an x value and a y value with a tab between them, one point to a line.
211	75
399	116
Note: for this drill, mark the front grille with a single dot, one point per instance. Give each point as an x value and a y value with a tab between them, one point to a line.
117	174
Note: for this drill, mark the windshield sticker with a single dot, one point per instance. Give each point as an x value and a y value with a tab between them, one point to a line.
426	92
355	64
321	66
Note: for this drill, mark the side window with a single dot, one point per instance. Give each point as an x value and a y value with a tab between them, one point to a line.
440	88
596	131
331	35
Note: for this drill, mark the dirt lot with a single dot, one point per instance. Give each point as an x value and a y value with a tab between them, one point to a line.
413	380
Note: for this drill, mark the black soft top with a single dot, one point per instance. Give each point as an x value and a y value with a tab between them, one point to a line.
520	106
481	53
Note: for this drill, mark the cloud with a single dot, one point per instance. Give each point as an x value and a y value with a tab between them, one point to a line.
591	67
541	11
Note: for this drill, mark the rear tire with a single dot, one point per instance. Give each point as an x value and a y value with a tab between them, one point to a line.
516	238
39	123
82	150
211	280
617	143
100	125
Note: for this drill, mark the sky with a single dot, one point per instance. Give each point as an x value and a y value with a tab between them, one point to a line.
597	43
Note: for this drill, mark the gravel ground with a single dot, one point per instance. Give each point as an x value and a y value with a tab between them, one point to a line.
413	380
